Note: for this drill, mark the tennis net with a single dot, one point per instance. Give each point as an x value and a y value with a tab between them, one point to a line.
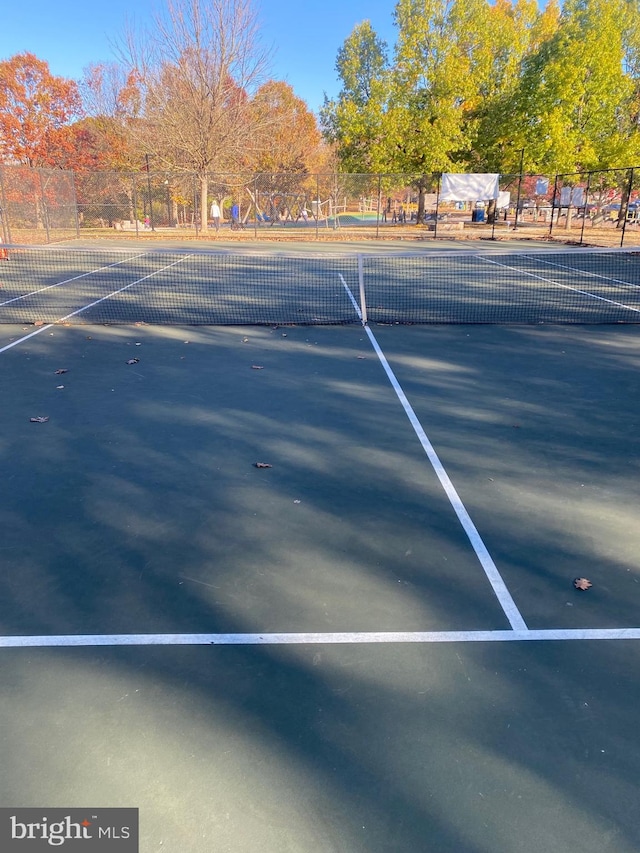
191	287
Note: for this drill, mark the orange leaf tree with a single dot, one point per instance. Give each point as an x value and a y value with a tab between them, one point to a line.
36	109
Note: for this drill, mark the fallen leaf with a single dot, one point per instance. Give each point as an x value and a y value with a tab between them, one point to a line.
245	340
133	361
361	356
89	338
39	420
257	367
582	583
59	387
38	323
296	502
61	370
262	465
516	426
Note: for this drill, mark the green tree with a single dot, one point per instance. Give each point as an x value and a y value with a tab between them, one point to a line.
573	109
493	42
428	89
355	121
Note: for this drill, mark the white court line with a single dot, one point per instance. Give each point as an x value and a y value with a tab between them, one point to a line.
519	633
91	304
584	272
67	280
285	639
490	569
558	283
26	337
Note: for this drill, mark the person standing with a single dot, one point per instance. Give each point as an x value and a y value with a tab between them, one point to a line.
215	215
235	215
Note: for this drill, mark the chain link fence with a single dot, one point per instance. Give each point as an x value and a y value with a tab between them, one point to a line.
37	205
46	205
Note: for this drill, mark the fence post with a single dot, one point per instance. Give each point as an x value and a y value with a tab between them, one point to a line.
435	224
43	206
75	202
553	204
255	205
5	234
134	195
624	221
146	159
195	203
378	206
515	224
318	208
586	206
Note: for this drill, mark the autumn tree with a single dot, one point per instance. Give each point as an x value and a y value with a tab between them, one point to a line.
197	67
36	109
285	136
112	99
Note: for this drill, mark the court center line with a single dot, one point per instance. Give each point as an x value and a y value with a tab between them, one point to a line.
335	638
490	569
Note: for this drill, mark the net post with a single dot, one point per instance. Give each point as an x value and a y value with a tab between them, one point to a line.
624	221
363	301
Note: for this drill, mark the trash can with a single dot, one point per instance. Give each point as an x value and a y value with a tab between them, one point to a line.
477	215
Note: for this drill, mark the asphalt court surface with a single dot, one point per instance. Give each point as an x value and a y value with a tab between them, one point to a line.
143	482
481	748
137	508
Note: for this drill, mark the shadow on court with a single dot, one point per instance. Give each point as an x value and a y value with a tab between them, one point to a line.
137	508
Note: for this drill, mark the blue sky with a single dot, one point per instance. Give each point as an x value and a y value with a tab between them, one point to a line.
71	34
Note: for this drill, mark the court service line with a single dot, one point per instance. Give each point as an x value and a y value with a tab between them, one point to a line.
301	639
558	284
90	305
486	561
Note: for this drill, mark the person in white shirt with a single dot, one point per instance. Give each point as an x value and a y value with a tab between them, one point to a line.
215	215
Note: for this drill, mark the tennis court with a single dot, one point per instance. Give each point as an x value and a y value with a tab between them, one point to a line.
285	581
